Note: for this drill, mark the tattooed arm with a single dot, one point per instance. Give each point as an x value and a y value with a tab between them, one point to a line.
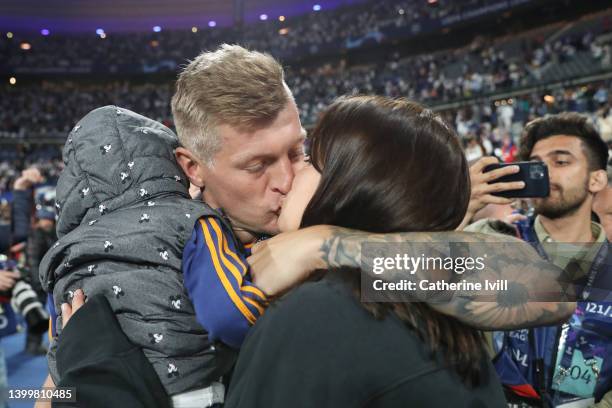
534	285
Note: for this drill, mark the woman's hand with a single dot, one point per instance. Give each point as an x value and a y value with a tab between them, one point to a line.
68	311
482	191
281	262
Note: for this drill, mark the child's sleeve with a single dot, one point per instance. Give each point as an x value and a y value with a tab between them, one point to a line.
216	277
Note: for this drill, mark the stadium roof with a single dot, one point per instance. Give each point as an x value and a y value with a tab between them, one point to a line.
142	15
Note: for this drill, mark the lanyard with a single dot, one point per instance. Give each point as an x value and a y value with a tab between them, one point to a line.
596	265
579	344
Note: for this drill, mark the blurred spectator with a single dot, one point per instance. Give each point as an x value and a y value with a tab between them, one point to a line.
508	149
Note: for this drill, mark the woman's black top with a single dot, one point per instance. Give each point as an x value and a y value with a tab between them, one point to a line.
318	347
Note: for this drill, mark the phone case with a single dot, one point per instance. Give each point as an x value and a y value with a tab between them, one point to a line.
534	174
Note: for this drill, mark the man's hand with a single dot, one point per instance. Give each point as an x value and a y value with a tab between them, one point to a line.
8	279
78	300
282	262
28	178
482	191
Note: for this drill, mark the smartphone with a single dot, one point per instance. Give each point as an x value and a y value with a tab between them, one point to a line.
533	173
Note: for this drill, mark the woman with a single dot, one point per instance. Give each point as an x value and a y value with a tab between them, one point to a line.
376	165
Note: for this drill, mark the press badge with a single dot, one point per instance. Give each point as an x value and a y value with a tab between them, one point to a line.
581	339
580	377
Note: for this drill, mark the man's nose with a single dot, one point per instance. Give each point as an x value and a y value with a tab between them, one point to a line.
553	177
282	176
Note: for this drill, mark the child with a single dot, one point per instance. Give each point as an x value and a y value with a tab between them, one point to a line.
125	217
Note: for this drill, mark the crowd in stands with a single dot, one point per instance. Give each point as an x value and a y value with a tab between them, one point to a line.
490	124
483	67
53	108
494	128
49	164
345	27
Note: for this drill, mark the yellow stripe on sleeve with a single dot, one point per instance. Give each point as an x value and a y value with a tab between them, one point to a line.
255	291
231	266
224	281
223	243
228	251
255	305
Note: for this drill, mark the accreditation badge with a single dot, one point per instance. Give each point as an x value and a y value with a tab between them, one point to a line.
582	350
580	377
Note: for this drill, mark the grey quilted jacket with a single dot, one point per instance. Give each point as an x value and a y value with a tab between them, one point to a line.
124	218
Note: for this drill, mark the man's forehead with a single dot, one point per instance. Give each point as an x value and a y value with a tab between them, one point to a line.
250	145
557	144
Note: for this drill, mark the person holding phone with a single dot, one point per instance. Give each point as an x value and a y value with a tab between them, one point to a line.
569	365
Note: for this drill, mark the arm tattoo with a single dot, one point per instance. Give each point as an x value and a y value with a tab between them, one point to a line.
538	292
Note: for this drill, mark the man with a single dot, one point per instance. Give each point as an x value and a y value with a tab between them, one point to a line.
541	365
602	205
41	239
242	143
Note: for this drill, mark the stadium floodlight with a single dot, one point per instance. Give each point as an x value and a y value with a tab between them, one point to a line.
45	31
157	29
316	7
212	23
263	17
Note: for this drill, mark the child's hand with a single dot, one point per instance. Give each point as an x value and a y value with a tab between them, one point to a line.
78	300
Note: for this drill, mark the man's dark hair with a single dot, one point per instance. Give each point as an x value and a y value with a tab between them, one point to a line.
570	124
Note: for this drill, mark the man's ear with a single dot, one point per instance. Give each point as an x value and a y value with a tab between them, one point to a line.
598	180
191	166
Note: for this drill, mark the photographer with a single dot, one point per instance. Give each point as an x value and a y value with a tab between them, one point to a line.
40	240
8	279
27	295
7	282
22	203
23	299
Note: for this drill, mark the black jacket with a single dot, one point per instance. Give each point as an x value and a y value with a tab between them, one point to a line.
318	347
21	214
39	242
95	357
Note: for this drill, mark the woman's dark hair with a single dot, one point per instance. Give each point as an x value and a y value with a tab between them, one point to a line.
389	165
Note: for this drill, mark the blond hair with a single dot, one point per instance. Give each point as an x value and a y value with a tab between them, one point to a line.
232	85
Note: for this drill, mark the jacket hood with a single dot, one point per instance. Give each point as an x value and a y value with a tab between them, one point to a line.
115	158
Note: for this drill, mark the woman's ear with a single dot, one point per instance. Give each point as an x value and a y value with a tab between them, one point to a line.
598	180
191	165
